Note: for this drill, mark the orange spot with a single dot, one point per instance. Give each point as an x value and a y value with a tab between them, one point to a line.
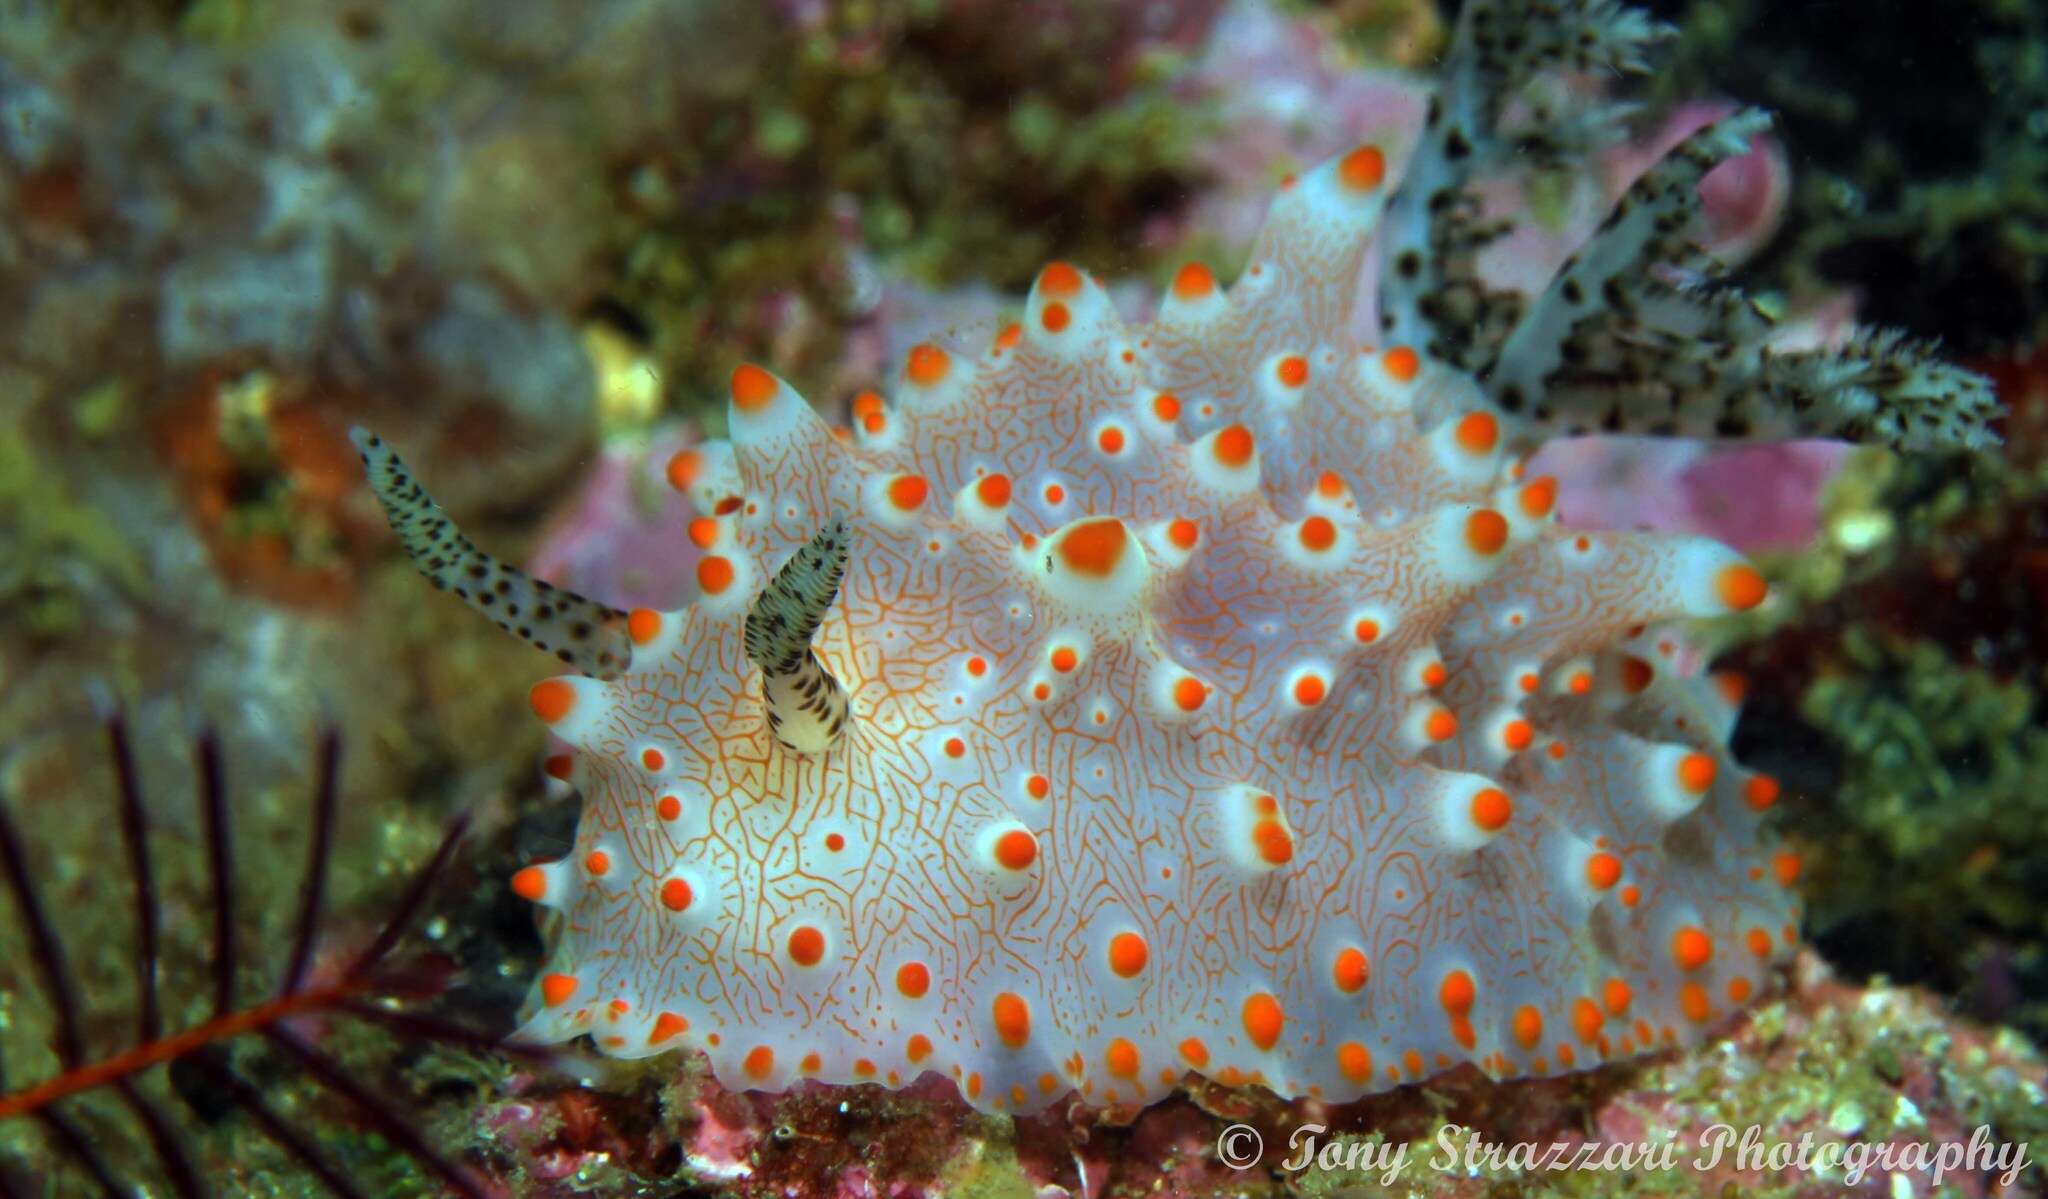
555	989
1355	1061
1110	440
752	388
1064	659
1692	1000
1016	849
1309	690
1318	534
1188	693
1566	1056
1121	1058
1055	317
1696	773
652	759
1366	631
1350	971
1603	870
1738	990
1457	993
913	979
807	946
1275	846
1586	1019
1012	1018
1093	547
1329	484
1363	169
1268	805
926	365
1263	1020
874	423
1580	683
1630	896
1402	363
1760	792
643	625
1478	433
1740	586
1412	1060
760	1062
908	492
714	574
1183	534
552	699
1196	1053
1059	279
530	883
1292	370
1528	682
1528	1026
1048	1083
955	747
1441	725
1691	948
1538	498
1486	531
1054	493
1759	942
977	666
1234	446
1038	785
1011	334
811	1063
675	895
1616	995
1786	866
1041	692
1492	809
918	1048
834	842
1193	281
1127	954
1166	406
993	490
1732	684
668	807
1635	674
867	403
598	862
684	468
667	1025
1517	735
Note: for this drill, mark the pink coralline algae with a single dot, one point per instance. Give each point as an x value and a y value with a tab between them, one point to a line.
1217	697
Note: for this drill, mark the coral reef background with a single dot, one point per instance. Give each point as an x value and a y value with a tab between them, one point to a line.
528	240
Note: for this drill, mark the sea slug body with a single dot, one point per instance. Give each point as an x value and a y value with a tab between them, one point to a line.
1213	695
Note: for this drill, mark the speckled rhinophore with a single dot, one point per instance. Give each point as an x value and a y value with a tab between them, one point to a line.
1220	697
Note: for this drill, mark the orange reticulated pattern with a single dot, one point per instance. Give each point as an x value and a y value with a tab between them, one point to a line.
1116	800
